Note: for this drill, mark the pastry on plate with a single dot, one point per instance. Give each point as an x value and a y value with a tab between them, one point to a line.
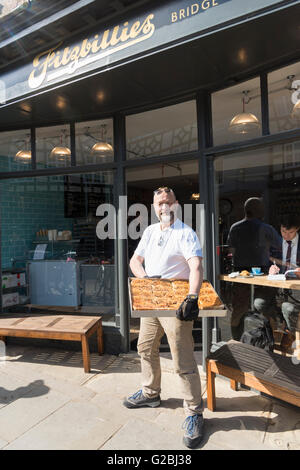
245	273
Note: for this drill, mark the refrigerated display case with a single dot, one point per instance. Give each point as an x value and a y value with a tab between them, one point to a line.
54	282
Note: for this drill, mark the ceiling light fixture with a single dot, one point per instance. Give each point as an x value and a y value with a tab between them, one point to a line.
24	155
60	153
296	111
244	123
102	148
294	86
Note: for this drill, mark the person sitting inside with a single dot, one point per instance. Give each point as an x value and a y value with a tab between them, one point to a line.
285	259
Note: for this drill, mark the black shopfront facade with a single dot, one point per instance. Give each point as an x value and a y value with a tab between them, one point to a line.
160	83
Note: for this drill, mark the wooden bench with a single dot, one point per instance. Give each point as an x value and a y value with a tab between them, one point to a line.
62	327
264	371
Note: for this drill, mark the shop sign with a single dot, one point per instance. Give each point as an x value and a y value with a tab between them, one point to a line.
12	6
59	62
162	27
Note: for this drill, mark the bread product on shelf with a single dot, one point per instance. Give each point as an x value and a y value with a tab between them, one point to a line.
167	294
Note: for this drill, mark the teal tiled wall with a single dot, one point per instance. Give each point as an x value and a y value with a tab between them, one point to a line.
27	206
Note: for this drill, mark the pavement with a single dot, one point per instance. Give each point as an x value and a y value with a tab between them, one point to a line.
48	402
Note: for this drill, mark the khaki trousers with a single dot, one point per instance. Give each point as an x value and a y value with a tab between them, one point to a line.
180	339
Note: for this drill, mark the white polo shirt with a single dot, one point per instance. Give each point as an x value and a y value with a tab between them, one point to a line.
166	252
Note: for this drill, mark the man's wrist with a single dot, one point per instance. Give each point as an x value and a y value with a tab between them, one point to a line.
192	296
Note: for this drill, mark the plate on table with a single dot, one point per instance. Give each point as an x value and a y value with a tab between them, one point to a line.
259	274
246	277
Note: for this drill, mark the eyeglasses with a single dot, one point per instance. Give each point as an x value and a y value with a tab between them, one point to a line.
162	189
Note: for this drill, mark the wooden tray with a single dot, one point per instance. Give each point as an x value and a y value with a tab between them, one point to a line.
162	297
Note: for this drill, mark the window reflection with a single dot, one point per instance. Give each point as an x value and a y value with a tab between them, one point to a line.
53	147
271	174
163	131
236	113
94	142
15	150
283	97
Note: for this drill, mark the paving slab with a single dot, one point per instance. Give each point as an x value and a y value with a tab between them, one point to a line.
77	425
142	435
3	444
242	432
24	413
283	432
65	386
111	404
66	365
13	388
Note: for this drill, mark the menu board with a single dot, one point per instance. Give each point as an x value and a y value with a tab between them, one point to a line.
83	197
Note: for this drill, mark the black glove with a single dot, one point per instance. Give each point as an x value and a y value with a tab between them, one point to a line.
188	310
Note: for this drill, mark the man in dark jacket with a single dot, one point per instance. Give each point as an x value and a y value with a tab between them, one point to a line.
251	241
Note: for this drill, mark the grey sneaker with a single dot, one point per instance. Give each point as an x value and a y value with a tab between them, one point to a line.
137	400
193	426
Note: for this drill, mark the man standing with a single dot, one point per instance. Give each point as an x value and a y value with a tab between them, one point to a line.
170	249
251	240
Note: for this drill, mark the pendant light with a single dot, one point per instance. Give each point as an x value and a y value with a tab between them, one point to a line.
295	114
244	123
293	87
296	111
24	155
60	153
102	148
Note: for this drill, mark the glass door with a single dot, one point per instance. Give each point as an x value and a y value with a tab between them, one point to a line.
182	178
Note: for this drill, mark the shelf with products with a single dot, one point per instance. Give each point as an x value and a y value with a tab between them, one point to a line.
14	287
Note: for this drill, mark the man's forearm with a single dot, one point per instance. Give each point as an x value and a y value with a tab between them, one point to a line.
196	277
195	282
137	268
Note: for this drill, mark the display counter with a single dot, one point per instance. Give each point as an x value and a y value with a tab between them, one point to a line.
54	282
71	283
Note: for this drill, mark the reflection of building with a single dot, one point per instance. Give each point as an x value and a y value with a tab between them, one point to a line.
114	98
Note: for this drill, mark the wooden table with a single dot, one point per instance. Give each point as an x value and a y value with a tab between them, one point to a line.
62	327
264	281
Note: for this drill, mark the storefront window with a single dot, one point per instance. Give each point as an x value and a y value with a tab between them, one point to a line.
236	113
284	100
163	131
15	150
94	142
53	254
272	174
53	147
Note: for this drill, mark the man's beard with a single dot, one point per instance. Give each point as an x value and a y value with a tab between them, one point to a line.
167	218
